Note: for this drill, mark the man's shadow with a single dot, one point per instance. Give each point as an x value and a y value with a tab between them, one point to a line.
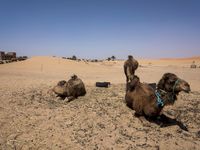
165	121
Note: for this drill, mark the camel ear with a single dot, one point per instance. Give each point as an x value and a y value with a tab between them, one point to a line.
133	83
161	83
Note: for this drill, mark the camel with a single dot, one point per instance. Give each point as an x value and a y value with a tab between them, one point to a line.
70	89
130	65
148	102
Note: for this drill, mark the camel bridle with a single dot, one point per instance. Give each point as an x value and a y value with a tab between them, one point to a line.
160	101
175	84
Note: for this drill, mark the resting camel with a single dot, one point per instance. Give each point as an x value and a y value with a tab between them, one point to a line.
70	89
148	102
130	65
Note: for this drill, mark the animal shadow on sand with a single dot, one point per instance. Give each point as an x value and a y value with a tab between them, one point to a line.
165	121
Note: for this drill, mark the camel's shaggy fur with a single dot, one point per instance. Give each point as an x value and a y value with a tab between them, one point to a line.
70	89
142	98
130	66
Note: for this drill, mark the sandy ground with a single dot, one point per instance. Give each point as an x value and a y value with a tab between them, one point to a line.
30	118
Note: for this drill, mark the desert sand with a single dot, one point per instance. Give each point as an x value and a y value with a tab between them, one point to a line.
30	118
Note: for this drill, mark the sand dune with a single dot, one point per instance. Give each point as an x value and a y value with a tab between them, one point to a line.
30	118
195	58
50	70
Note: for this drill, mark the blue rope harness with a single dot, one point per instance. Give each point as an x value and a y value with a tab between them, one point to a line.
160	102
175	85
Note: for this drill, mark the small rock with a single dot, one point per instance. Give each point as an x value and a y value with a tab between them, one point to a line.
198	134
58	98
66	99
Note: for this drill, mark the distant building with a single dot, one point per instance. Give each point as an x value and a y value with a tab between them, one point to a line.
2	55
11	55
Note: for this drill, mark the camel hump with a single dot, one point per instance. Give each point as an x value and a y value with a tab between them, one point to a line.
74	77
76	86
74	80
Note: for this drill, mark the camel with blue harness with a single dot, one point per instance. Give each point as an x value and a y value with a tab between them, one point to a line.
149	102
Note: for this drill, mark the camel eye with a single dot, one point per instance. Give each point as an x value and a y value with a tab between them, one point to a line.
171	81
186	84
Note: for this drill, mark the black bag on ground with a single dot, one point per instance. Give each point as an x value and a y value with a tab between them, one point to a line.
102	84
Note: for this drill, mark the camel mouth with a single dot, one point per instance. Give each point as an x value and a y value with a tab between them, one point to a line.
185	87
187	90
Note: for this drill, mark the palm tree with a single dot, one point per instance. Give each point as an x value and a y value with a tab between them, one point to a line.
74	57
113	58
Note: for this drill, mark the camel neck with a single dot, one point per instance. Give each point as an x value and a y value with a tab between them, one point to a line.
168	98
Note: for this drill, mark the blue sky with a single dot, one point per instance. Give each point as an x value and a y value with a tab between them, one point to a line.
101	28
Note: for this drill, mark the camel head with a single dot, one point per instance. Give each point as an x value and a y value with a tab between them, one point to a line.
133	83
74	77
130	57
171	83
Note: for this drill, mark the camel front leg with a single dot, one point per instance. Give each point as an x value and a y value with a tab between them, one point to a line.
70	98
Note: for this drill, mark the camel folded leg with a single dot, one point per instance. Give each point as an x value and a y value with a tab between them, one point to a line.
140	117
70	98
